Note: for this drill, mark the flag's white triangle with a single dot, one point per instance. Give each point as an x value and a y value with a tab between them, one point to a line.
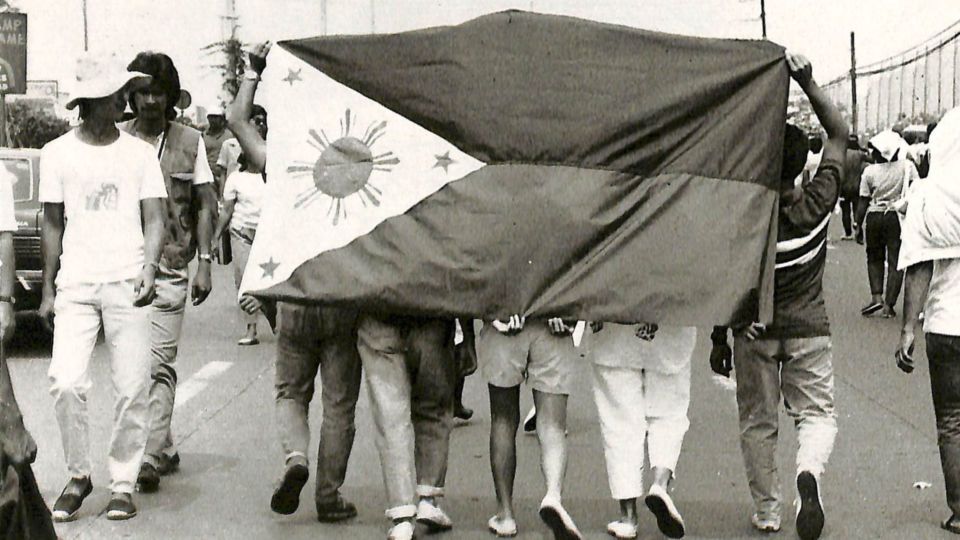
338	163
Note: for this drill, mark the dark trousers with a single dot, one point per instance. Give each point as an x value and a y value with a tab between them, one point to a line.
846	215
883	250
943	352
311	340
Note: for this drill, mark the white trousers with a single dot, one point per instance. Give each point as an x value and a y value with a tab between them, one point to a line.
637	405
79	312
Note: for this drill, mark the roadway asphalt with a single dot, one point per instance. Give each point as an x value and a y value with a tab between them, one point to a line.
231	458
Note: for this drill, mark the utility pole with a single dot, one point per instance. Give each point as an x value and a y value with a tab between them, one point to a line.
85	25
853	81
373	19
763	18
323	15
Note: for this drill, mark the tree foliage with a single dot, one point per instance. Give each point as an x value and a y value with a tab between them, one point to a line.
230	66
33	123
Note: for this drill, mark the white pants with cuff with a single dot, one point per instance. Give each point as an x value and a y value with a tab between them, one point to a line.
640	399
80	310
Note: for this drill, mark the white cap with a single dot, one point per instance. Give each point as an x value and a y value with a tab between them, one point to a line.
100	76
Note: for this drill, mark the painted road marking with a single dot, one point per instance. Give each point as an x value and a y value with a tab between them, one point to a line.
195	384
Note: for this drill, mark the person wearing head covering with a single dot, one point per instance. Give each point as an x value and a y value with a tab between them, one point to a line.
883	186
190	210
103	203
213	138
930	257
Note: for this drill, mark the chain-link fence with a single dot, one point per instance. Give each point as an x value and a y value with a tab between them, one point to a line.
915	86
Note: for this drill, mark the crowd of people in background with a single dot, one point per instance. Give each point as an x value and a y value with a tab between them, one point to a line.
128	205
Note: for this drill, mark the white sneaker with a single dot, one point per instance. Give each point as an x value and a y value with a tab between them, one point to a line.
621	530
503	528
668	517
433	516
401	531
553	514
765	524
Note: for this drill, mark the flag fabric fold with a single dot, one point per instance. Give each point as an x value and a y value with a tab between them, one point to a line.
524	163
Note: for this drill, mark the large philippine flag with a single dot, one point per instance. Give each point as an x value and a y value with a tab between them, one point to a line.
524	163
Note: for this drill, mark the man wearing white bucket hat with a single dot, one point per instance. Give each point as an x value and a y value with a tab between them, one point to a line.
102	192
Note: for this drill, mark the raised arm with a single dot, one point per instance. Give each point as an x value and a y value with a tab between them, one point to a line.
834	148
238	115
819	196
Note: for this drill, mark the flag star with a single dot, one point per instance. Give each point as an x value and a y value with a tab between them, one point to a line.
444	161
269	268
292	76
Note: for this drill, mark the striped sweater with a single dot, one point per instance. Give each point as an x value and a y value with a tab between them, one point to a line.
798	306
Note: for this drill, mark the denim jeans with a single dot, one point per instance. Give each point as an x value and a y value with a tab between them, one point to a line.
312	339
80	310
801	371
411	375
166	321
943	353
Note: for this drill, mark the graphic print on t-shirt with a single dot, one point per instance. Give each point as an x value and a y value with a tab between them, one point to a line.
103	197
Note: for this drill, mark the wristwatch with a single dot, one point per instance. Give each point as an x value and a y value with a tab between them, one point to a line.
251	75
205	257
8	299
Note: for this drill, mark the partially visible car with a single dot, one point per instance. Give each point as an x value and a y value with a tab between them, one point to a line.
24	165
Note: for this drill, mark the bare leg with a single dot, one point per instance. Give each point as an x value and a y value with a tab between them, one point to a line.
551	429
662	476
504	421
628	511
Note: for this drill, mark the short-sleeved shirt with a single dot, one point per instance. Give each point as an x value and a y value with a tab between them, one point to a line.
229	156
100	188
853	165
8	218
213	143
941	314
247	189
798	306
886	183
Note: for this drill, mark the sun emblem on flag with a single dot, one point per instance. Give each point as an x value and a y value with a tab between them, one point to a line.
343	167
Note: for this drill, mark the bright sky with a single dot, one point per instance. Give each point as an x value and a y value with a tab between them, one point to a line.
819	28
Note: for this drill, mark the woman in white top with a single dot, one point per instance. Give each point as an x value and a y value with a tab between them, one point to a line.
242	200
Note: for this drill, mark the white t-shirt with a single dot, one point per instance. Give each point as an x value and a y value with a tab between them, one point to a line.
887	183
8	219
941	314
101	188
229	154
248	190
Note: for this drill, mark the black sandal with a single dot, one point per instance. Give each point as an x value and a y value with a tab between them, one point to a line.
68	504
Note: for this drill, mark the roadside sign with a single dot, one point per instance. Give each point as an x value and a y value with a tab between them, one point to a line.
13	53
